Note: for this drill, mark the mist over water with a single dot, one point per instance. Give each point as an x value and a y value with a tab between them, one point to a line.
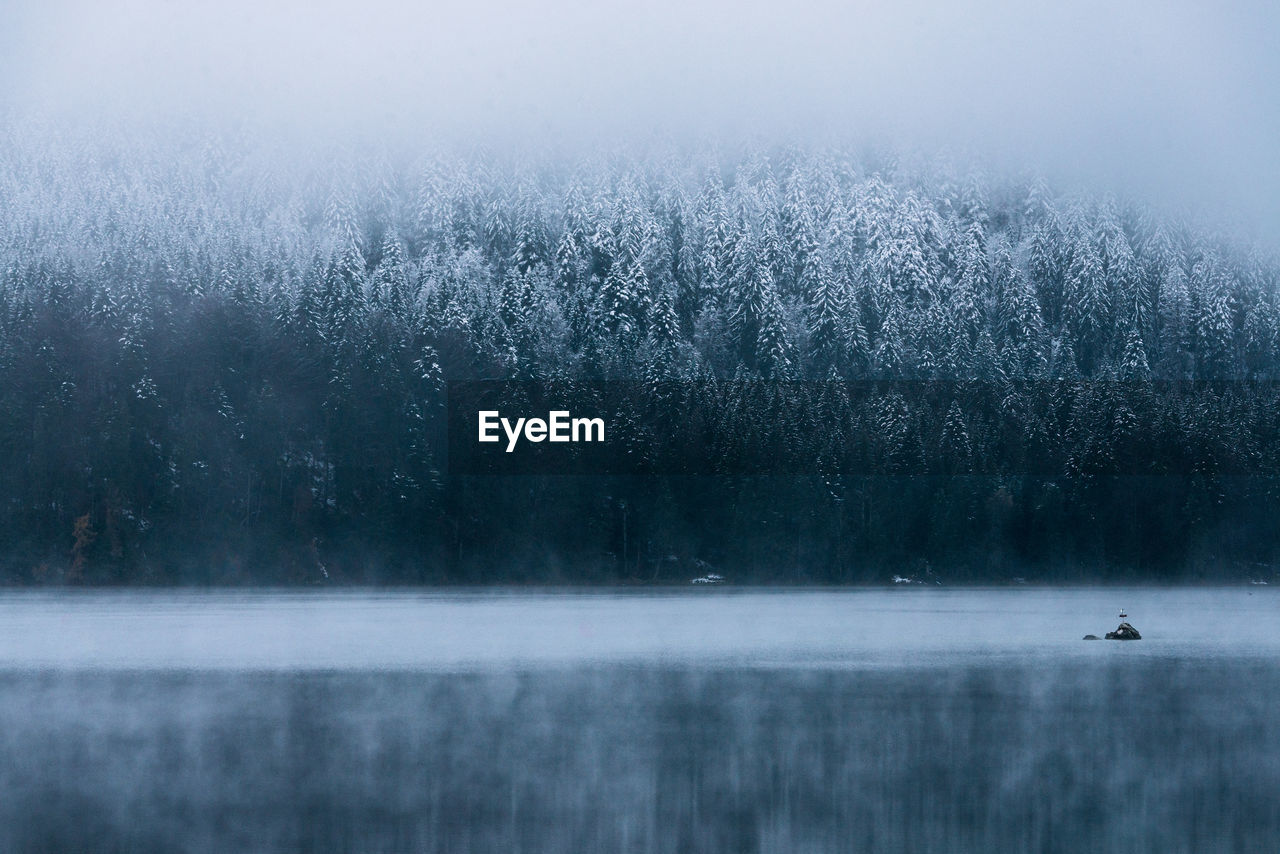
938	721
450	631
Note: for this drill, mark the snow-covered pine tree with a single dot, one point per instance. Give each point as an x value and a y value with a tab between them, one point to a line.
1087	302
1213	323
773	356
390	291
1021	325
1133	362
829	317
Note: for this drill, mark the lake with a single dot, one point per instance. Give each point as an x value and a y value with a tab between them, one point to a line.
912	719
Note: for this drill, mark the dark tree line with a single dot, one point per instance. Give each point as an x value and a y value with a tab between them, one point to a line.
222	363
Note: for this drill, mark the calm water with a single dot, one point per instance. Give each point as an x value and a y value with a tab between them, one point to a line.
703	720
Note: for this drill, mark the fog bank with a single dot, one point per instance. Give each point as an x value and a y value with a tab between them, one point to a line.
1170	100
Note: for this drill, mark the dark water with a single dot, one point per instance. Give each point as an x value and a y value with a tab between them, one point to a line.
1109	750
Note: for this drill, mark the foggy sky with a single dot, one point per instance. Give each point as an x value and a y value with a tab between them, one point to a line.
1176	100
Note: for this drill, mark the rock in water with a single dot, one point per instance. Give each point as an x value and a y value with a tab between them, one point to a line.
1092	637
1124	632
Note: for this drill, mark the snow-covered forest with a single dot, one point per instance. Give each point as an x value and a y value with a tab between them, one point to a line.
223	362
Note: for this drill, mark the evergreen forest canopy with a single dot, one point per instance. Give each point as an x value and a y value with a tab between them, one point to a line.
220	363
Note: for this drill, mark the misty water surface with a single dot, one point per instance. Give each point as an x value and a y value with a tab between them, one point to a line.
718	627
915	720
